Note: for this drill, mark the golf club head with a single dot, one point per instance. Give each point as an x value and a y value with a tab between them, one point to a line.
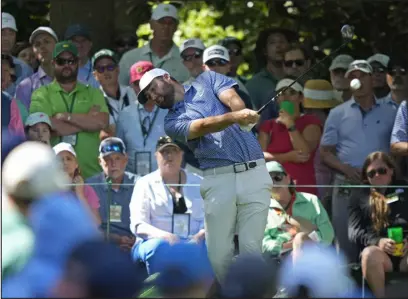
347	32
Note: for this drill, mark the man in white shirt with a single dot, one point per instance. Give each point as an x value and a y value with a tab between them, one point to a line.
162	214
161	50
117	97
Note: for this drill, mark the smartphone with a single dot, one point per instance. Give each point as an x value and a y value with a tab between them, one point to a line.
287	106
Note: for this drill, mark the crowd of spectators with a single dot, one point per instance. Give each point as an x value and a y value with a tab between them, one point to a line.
85	161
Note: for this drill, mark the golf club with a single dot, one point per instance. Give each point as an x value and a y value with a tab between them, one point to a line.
347	32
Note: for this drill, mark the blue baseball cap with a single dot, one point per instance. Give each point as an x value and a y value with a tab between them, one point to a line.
110	272
59	222
9	141
181	266
77	30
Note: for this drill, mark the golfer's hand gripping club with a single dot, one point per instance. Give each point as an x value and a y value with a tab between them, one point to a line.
246	119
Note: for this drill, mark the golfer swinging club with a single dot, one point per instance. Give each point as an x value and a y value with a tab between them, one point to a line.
207	116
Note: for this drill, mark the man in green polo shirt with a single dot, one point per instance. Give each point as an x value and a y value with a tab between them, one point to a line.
78	112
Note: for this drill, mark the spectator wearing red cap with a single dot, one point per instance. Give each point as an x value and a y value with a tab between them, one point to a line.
140	126
117	97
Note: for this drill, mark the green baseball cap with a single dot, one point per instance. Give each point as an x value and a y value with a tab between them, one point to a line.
273	166
103	53
64	46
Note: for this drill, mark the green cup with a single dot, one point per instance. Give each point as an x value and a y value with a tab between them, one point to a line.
287	106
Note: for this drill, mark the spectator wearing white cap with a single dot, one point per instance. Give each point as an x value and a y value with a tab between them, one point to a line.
30	171
216	58
191	52
352	131
379	63
161	50
66	153
293	137
43	40
340	83
8	40
38	128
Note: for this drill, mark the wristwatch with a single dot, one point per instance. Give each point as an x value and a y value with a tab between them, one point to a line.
292	128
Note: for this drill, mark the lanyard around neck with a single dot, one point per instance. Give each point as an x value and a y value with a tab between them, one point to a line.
146	133
70	108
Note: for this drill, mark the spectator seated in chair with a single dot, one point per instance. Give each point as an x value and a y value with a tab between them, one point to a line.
374	214
295	218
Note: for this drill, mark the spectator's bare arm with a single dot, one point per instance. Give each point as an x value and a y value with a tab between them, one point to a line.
62	128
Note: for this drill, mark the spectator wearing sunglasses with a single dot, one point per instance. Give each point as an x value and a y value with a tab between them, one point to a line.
379	63
160	50
294	218
78	112
125	42
397	80
117	97
216	58
191	53
372	211
165	207
140	126
270	47
114	197
234	47
80	36
352	131
296	61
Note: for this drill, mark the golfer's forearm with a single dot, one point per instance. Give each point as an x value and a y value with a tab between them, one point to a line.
399	148
213	124
147	231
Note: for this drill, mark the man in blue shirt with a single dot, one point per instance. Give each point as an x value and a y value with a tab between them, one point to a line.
210	117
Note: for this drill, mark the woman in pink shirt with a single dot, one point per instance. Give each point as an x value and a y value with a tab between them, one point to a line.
85	193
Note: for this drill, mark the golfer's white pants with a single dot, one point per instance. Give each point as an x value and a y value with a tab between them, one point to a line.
235	200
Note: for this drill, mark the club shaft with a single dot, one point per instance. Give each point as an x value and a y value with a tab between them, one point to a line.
300	77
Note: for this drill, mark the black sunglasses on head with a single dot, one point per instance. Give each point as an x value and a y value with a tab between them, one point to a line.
114	147
298	62
101	69
197	54
216	62
63	61
372	173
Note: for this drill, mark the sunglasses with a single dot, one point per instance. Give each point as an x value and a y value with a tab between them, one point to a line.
372	173
63	61
115	147
394	72
216	62
277	178
103	68
190	57
235	52
378	70
298	62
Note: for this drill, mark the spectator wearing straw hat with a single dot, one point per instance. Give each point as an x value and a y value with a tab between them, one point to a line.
318	99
